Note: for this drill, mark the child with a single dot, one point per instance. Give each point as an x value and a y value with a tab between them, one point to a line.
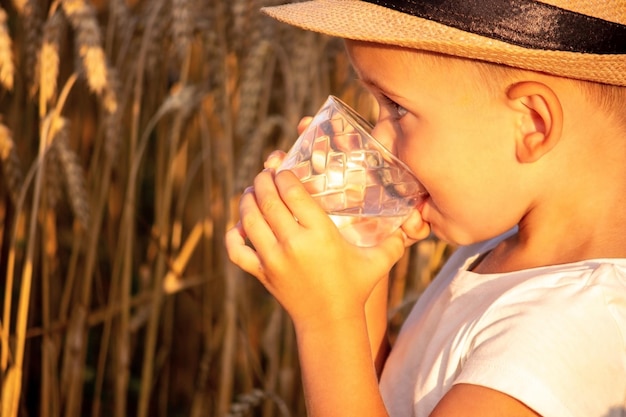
512	113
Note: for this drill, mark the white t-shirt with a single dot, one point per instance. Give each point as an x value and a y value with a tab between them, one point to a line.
552	337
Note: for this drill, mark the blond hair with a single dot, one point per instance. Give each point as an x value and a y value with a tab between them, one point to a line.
609	99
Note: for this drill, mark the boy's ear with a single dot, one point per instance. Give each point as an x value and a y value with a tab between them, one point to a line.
541	119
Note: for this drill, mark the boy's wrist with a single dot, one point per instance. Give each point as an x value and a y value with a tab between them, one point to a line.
329	320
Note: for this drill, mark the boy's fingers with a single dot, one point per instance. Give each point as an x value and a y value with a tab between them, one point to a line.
300	203
241	254
304	122
271	206
415	227
274	160
253	222
390	249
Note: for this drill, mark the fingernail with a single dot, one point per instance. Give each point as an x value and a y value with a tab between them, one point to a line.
271	161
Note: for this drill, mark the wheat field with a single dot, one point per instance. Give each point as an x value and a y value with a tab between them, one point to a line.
128	130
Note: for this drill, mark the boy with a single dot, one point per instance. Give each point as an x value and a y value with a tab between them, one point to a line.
511	114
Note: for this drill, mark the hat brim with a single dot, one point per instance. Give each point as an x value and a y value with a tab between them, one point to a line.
361	20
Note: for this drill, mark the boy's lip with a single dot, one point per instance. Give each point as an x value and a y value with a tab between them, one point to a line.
423	198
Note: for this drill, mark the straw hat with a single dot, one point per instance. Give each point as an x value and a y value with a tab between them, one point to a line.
582	39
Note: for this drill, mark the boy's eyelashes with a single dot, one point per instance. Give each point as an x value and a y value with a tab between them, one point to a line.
397	111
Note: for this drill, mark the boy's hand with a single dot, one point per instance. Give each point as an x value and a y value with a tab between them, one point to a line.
300	256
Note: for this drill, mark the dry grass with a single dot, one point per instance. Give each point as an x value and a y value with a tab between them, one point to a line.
124	146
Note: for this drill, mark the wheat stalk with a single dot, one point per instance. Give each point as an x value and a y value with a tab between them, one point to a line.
181	98
10	404
223	122
126	236
173	280
13	177
201	402
7	67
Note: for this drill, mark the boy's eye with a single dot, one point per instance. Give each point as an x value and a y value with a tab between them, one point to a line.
400	111
396	110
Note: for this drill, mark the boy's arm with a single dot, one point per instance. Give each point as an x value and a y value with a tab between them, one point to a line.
337	372
466	400
339	376
334	292
377	321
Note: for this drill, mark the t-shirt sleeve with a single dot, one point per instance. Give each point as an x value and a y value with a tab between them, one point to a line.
559	351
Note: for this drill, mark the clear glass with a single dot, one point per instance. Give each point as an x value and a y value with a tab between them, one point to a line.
365	189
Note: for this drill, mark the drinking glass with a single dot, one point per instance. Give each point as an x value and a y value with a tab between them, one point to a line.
364	188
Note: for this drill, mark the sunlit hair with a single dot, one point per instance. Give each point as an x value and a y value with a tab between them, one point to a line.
609	99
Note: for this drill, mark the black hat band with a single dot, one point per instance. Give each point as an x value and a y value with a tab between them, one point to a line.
526	23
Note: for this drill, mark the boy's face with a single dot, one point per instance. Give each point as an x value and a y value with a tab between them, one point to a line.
456	135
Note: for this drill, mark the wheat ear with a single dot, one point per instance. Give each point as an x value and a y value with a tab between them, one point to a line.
88	42
112	115
250	160
120	12
252	85
245	15
48	62
72	172
181	26
54	176
7	67
158	17
30	15
101	79
245	403
11	165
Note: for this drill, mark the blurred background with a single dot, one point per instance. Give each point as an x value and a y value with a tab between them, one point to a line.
128	129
